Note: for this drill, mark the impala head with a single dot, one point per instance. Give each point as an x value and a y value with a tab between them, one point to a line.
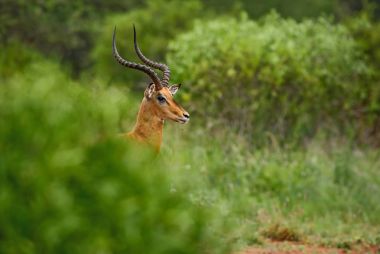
163	103
159	94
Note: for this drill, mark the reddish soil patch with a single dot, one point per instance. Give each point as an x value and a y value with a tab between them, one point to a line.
303	248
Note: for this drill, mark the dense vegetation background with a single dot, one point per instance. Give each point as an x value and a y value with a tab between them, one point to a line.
283	142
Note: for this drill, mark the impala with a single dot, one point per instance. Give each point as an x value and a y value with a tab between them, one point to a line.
158	104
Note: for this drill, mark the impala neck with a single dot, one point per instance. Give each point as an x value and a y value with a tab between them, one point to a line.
149	126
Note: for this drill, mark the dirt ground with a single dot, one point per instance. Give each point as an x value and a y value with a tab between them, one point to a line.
272	247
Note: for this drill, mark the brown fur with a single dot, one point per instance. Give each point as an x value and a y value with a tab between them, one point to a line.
152	114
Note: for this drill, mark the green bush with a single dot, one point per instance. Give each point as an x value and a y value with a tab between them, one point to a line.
366	31
276	76
69	184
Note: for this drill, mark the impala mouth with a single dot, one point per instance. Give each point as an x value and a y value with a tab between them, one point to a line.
182	120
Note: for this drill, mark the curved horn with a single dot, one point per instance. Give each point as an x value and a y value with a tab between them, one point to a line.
163	67
133	65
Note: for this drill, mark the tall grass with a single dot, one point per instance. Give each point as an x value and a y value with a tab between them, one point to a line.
328	192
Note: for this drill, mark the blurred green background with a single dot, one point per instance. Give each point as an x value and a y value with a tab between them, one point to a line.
283	141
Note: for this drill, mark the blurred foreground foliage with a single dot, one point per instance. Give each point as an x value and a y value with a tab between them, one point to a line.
289	79
69	184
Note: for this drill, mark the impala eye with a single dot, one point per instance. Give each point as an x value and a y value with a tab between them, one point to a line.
161	99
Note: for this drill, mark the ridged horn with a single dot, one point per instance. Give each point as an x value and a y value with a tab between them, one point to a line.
147	70
163	67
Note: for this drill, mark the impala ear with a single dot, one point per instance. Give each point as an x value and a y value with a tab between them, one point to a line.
174	88
149	91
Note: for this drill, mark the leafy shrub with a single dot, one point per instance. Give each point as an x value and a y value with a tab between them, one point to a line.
276	75
68	184
366	30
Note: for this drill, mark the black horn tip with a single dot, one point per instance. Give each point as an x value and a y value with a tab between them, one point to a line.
114	41
134	34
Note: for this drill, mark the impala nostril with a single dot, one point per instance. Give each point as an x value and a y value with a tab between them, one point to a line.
186	115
